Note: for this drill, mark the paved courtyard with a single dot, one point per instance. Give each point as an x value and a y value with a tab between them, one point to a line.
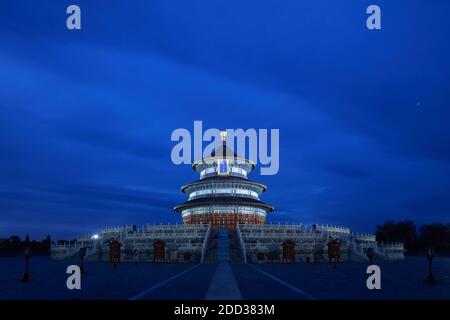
399	280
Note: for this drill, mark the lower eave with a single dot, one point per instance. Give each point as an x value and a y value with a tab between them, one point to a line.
224	200
219	179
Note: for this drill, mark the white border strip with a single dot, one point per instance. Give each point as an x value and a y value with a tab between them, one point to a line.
162	283
297	290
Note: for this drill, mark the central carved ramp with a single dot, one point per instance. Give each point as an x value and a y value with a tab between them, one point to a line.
223	245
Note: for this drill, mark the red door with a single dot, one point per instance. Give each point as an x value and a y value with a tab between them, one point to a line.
159	252
288	251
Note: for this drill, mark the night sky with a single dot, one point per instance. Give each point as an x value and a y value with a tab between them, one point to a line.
86	116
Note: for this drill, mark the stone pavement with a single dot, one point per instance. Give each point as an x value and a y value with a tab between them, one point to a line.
399	280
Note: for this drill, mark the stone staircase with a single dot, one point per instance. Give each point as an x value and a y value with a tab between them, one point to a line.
223	246
236	254
211	249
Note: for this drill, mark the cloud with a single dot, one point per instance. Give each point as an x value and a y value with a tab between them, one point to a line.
86	118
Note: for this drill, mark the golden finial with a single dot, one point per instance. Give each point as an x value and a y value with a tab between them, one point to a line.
223	135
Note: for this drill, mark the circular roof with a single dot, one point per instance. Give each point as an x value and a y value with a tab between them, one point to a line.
222	152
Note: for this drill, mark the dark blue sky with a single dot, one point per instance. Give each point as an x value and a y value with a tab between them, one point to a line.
86	116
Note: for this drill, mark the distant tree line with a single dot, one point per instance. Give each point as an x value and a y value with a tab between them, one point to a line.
436	235
14	245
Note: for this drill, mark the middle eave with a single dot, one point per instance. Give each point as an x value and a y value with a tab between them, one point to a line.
223	179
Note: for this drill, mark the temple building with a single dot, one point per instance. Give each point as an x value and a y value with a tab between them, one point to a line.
224	196
224	219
